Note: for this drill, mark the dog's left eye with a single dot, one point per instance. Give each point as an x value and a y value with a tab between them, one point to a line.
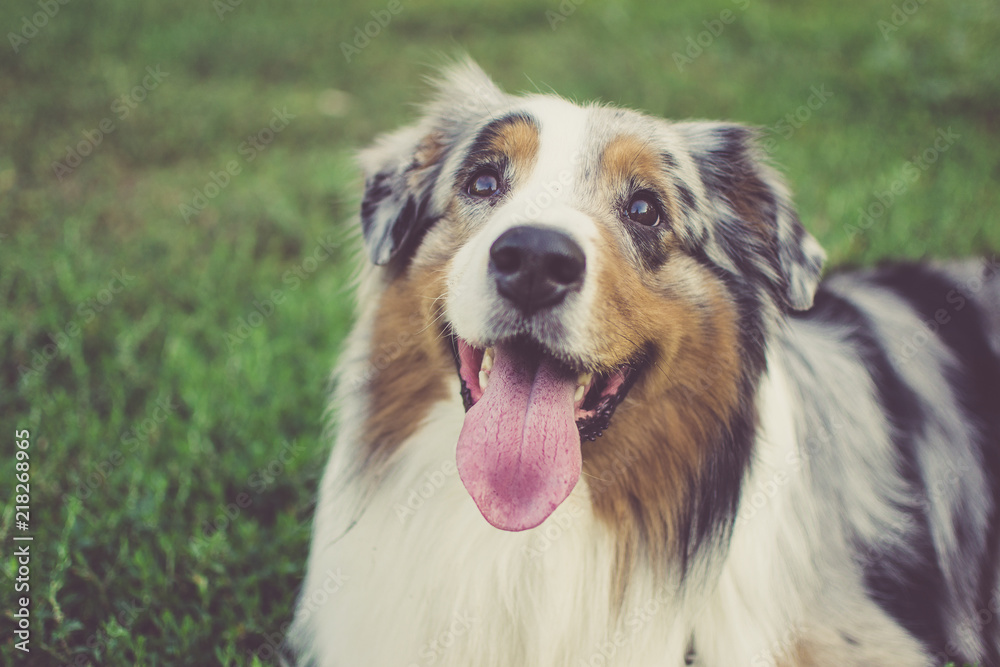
485	183
643	211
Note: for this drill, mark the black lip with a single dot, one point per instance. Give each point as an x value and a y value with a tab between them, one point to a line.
604	407
593	427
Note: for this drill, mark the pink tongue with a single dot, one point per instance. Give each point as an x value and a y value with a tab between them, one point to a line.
519	450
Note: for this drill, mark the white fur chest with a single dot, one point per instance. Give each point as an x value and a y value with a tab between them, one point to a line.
423	579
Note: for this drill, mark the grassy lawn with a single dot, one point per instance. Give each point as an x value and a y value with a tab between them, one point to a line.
176	201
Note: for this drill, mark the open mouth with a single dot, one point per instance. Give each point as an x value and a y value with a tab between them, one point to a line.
519	450
595	396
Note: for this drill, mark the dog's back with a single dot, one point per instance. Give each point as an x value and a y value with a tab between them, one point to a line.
902	417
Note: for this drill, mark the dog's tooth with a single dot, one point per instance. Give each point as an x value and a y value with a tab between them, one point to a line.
584	379
483	380
579	393
488	360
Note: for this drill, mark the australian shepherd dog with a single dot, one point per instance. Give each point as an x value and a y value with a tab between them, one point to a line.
597	409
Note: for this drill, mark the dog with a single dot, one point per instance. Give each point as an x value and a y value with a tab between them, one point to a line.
598	408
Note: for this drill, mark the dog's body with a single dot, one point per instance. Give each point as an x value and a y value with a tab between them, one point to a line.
784	476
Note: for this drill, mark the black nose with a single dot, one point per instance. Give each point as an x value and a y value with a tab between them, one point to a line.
536	267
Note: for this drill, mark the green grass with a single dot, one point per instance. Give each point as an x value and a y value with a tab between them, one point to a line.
168	395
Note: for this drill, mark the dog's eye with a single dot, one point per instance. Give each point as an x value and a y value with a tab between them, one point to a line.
643	211
484	183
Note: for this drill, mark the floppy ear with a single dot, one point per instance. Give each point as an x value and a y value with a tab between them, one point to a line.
402	168
751	212
400	172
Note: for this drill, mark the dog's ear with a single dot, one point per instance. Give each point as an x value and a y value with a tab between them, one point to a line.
400	171
751	215
403	167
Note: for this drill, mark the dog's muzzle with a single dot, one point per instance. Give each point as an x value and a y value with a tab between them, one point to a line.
528	407
536	267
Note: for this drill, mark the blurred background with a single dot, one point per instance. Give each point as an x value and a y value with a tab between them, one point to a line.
176	197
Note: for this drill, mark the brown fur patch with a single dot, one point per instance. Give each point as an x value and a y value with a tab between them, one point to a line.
517	141
409	363
878	641
750	198
798	656
743	186
672	416
630	159
430	150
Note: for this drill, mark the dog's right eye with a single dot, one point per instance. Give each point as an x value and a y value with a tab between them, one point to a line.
643	211
484	183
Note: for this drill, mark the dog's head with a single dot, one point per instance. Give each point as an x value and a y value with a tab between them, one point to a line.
571	254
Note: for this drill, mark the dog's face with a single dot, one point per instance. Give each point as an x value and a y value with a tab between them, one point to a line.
566	257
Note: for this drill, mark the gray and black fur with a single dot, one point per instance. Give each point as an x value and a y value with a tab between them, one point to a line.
928	554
